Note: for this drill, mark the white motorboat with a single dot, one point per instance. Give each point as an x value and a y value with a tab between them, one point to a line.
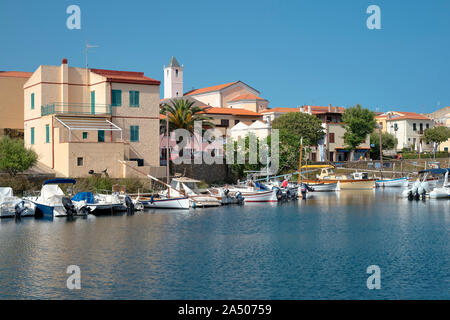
52	202
323	186
255	192
183	186
399	182
164	202
423	188
11	206
100	202
444	191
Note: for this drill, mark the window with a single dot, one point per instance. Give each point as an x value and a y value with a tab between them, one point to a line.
176	73
224	122
47	133
80	161
134	98
85	135
116	98
427	125
101	136
32	101
32	135
134	133
445	149
414	127
331	137
421	127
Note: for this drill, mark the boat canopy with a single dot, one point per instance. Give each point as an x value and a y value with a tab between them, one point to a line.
84	196
59	181
436	171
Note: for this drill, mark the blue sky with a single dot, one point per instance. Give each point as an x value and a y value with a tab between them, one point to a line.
295	52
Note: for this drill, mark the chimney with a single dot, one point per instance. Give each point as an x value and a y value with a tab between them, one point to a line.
64	73
309	109
329	108
302	109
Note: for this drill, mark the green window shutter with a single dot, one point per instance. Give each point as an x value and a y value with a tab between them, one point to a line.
32	101
101	136
47	133
134	133
85	135
32	135
116	98
134	98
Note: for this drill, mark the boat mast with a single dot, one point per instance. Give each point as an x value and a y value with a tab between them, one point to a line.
299	180
167	154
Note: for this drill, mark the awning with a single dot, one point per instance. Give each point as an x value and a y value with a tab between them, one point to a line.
88	124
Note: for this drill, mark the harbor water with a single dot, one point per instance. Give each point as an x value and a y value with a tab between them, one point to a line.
318	248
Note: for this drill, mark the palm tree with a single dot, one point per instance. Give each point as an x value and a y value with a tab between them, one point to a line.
183	113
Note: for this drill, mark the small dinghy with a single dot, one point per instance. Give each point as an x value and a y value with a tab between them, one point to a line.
400	182
11	206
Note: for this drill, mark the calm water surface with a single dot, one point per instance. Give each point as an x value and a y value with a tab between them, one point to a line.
314	249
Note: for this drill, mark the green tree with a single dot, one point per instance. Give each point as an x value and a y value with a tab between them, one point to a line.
292	126
299	124
388	142
358	123
237	169
14	157
183	113
437	134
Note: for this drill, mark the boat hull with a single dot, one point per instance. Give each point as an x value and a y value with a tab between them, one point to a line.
170	203
347	184
324	187
401	182
262	196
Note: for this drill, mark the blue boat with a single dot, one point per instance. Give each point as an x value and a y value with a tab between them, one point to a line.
49	203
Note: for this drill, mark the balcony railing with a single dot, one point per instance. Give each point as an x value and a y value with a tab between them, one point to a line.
76	109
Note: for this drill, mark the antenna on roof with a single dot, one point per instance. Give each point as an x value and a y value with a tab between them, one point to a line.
87	47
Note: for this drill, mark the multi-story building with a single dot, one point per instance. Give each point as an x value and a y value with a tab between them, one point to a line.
11	102
442	118
407	128
78	120
332	147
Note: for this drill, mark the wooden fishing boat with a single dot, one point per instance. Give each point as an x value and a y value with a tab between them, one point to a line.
357	181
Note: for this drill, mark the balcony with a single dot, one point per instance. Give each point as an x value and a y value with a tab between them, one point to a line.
76	109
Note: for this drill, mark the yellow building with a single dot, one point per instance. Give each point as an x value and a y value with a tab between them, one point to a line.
80	120
11	102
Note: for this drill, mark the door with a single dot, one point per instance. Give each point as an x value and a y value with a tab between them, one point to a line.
101	136
92	102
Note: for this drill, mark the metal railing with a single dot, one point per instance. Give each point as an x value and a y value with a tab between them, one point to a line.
76	109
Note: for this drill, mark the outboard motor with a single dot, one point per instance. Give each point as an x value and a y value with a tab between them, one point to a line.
85	210
279	193
129	204
68	205
303	190
19	209
239	197
410	195
226	192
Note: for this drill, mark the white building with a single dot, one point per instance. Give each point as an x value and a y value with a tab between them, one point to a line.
173	80
260	129
407	128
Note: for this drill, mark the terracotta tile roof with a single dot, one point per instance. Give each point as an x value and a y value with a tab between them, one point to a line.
231	111
15	74
406	116
247	97
126	76
314	110
281	110
210	89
